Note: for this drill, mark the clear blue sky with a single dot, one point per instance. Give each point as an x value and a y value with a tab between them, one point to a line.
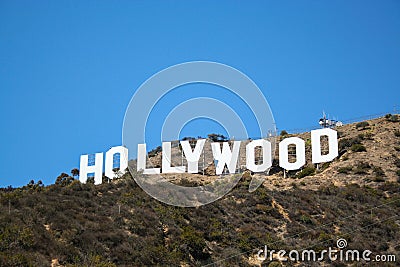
69	68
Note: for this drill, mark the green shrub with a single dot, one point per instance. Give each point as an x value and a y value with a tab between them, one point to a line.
90	180
364	165
154	152
284	133
363	125
345	169
98	261
13	236
378	171
362	168
306	219
14	259
309	170
188	183
397	133
194	241
393	118
379	179
347	143
360	171
216	231
397	162
379	174
217	137
398	173
324	166
358	148
308	142
369	135
64	179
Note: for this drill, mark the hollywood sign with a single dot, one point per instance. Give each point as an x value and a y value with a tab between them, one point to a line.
225	156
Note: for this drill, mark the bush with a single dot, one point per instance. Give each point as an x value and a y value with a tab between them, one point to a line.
154	152
309	170
64	179
397	162
283	133
217	137
306	219
362	168
379	174
360	171
358	148
14	259
378	171
397	133
363	125
13	236
188	138
379	179
393	118
364	165
194	242
345	169
348	142
308	142
369	135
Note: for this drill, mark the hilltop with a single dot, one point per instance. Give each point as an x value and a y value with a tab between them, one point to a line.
356	197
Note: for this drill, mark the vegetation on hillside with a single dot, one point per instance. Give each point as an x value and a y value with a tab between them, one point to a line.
118	224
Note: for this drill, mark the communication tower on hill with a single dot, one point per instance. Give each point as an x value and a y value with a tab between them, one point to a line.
324	122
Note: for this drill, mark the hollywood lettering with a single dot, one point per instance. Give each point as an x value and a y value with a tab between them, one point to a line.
224	156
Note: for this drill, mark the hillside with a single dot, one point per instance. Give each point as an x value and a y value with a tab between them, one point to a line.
356	197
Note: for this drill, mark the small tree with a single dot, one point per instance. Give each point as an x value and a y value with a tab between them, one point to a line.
392	118
363	125
75	172
104	179
358	148
64	179
307	171
188	138
90	180
217	137
154	152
